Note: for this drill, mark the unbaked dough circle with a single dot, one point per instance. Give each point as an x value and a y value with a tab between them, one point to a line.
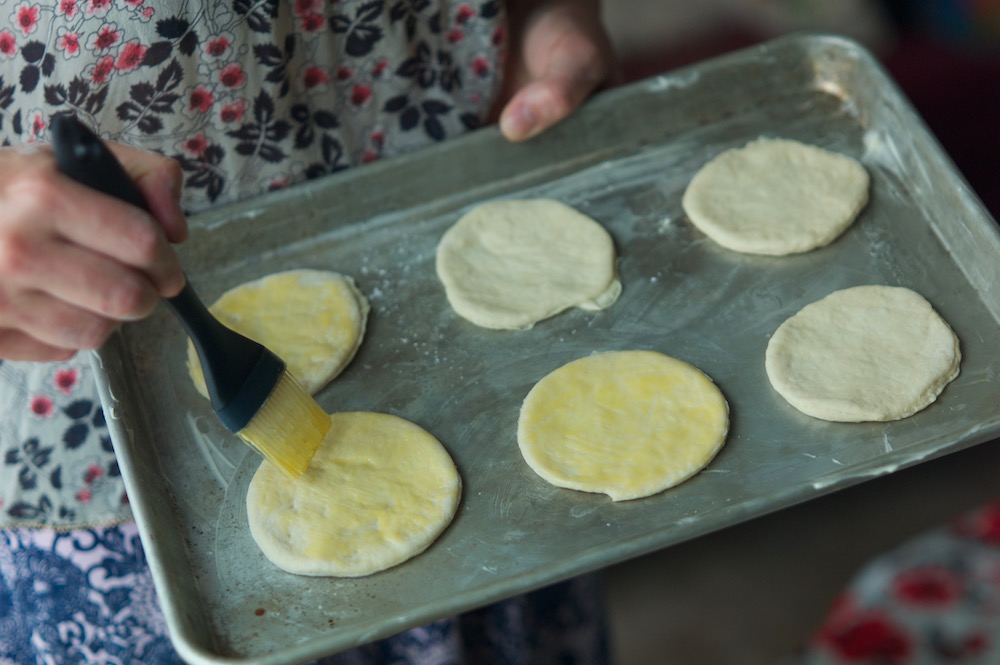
625	423
378	492
776	196
314	320
509	264
867	353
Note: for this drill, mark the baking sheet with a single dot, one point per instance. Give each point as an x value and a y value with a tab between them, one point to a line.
624	160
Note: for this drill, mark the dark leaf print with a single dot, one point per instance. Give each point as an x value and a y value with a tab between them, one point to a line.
188	45
361	33
408	12
78	91
434	128
128	111
172	28
143	94
33	52
470	121
257	14
27	479
271	153
396	104
435	106
409	118
106	444
113	470
170	77
78	409
150	124
75	435
12	457
6	94
326	120
55	95
55	478
96	101
15	123
164	103
204	172
304	136
26	511
332	150
268	55
29	78
435	24
48	64
490	9
98	420
157	54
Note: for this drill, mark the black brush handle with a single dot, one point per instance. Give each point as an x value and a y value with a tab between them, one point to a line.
239	372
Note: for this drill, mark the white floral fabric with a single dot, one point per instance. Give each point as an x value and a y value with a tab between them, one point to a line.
248	96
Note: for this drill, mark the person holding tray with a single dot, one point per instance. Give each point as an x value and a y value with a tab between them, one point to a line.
208	103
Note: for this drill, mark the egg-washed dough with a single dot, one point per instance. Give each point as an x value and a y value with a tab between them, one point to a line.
776	196
626	423
510	264
867	353
379	491
314	320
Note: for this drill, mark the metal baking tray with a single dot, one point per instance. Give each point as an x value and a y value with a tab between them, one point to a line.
625	160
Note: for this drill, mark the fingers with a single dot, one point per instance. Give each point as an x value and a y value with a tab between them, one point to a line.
562	55
74	263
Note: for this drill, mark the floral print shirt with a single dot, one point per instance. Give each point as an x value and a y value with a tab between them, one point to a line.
248	96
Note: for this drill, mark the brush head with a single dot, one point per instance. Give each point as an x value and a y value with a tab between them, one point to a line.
288	428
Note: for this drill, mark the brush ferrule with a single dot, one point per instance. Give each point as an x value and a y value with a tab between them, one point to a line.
254	391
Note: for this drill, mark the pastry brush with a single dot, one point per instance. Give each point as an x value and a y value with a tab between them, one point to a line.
252	392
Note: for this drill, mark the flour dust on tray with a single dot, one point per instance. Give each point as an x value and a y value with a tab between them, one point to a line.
776	197
510	264
314	320
378	492
628	424
867	353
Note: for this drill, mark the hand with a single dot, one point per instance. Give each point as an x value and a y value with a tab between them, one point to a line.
559	53
75	263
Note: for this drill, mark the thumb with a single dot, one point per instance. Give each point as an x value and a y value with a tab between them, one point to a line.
545	101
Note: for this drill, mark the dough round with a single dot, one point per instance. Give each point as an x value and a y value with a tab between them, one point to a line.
776	196
510	264
314	320
379	491
626	423
868	353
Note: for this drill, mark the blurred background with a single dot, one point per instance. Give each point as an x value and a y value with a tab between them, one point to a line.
753	594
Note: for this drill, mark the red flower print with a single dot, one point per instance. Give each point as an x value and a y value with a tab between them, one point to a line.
312	23
25	18
455	36
68	42
930	586
196	145
147	13
84	496
231	113
360	94
465	12
315	76
344	73
36	125
66	380
280	182
134	4
867	637
380	68
67	8
92	473
8	44
306	7
232	76
200	100
378	138
103	69
42	406
130	56
499	36
217	46
105	39
480	66
98	7
982	525
369	156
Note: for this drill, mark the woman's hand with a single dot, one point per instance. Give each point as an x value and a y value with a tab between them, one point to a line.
75	263
559	53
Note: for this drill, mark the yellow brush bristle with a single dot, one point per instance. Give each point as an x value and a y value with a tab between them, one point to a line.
288	428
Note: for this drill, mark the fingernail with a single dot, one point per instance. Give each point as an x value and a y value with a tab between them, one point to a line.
519	123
